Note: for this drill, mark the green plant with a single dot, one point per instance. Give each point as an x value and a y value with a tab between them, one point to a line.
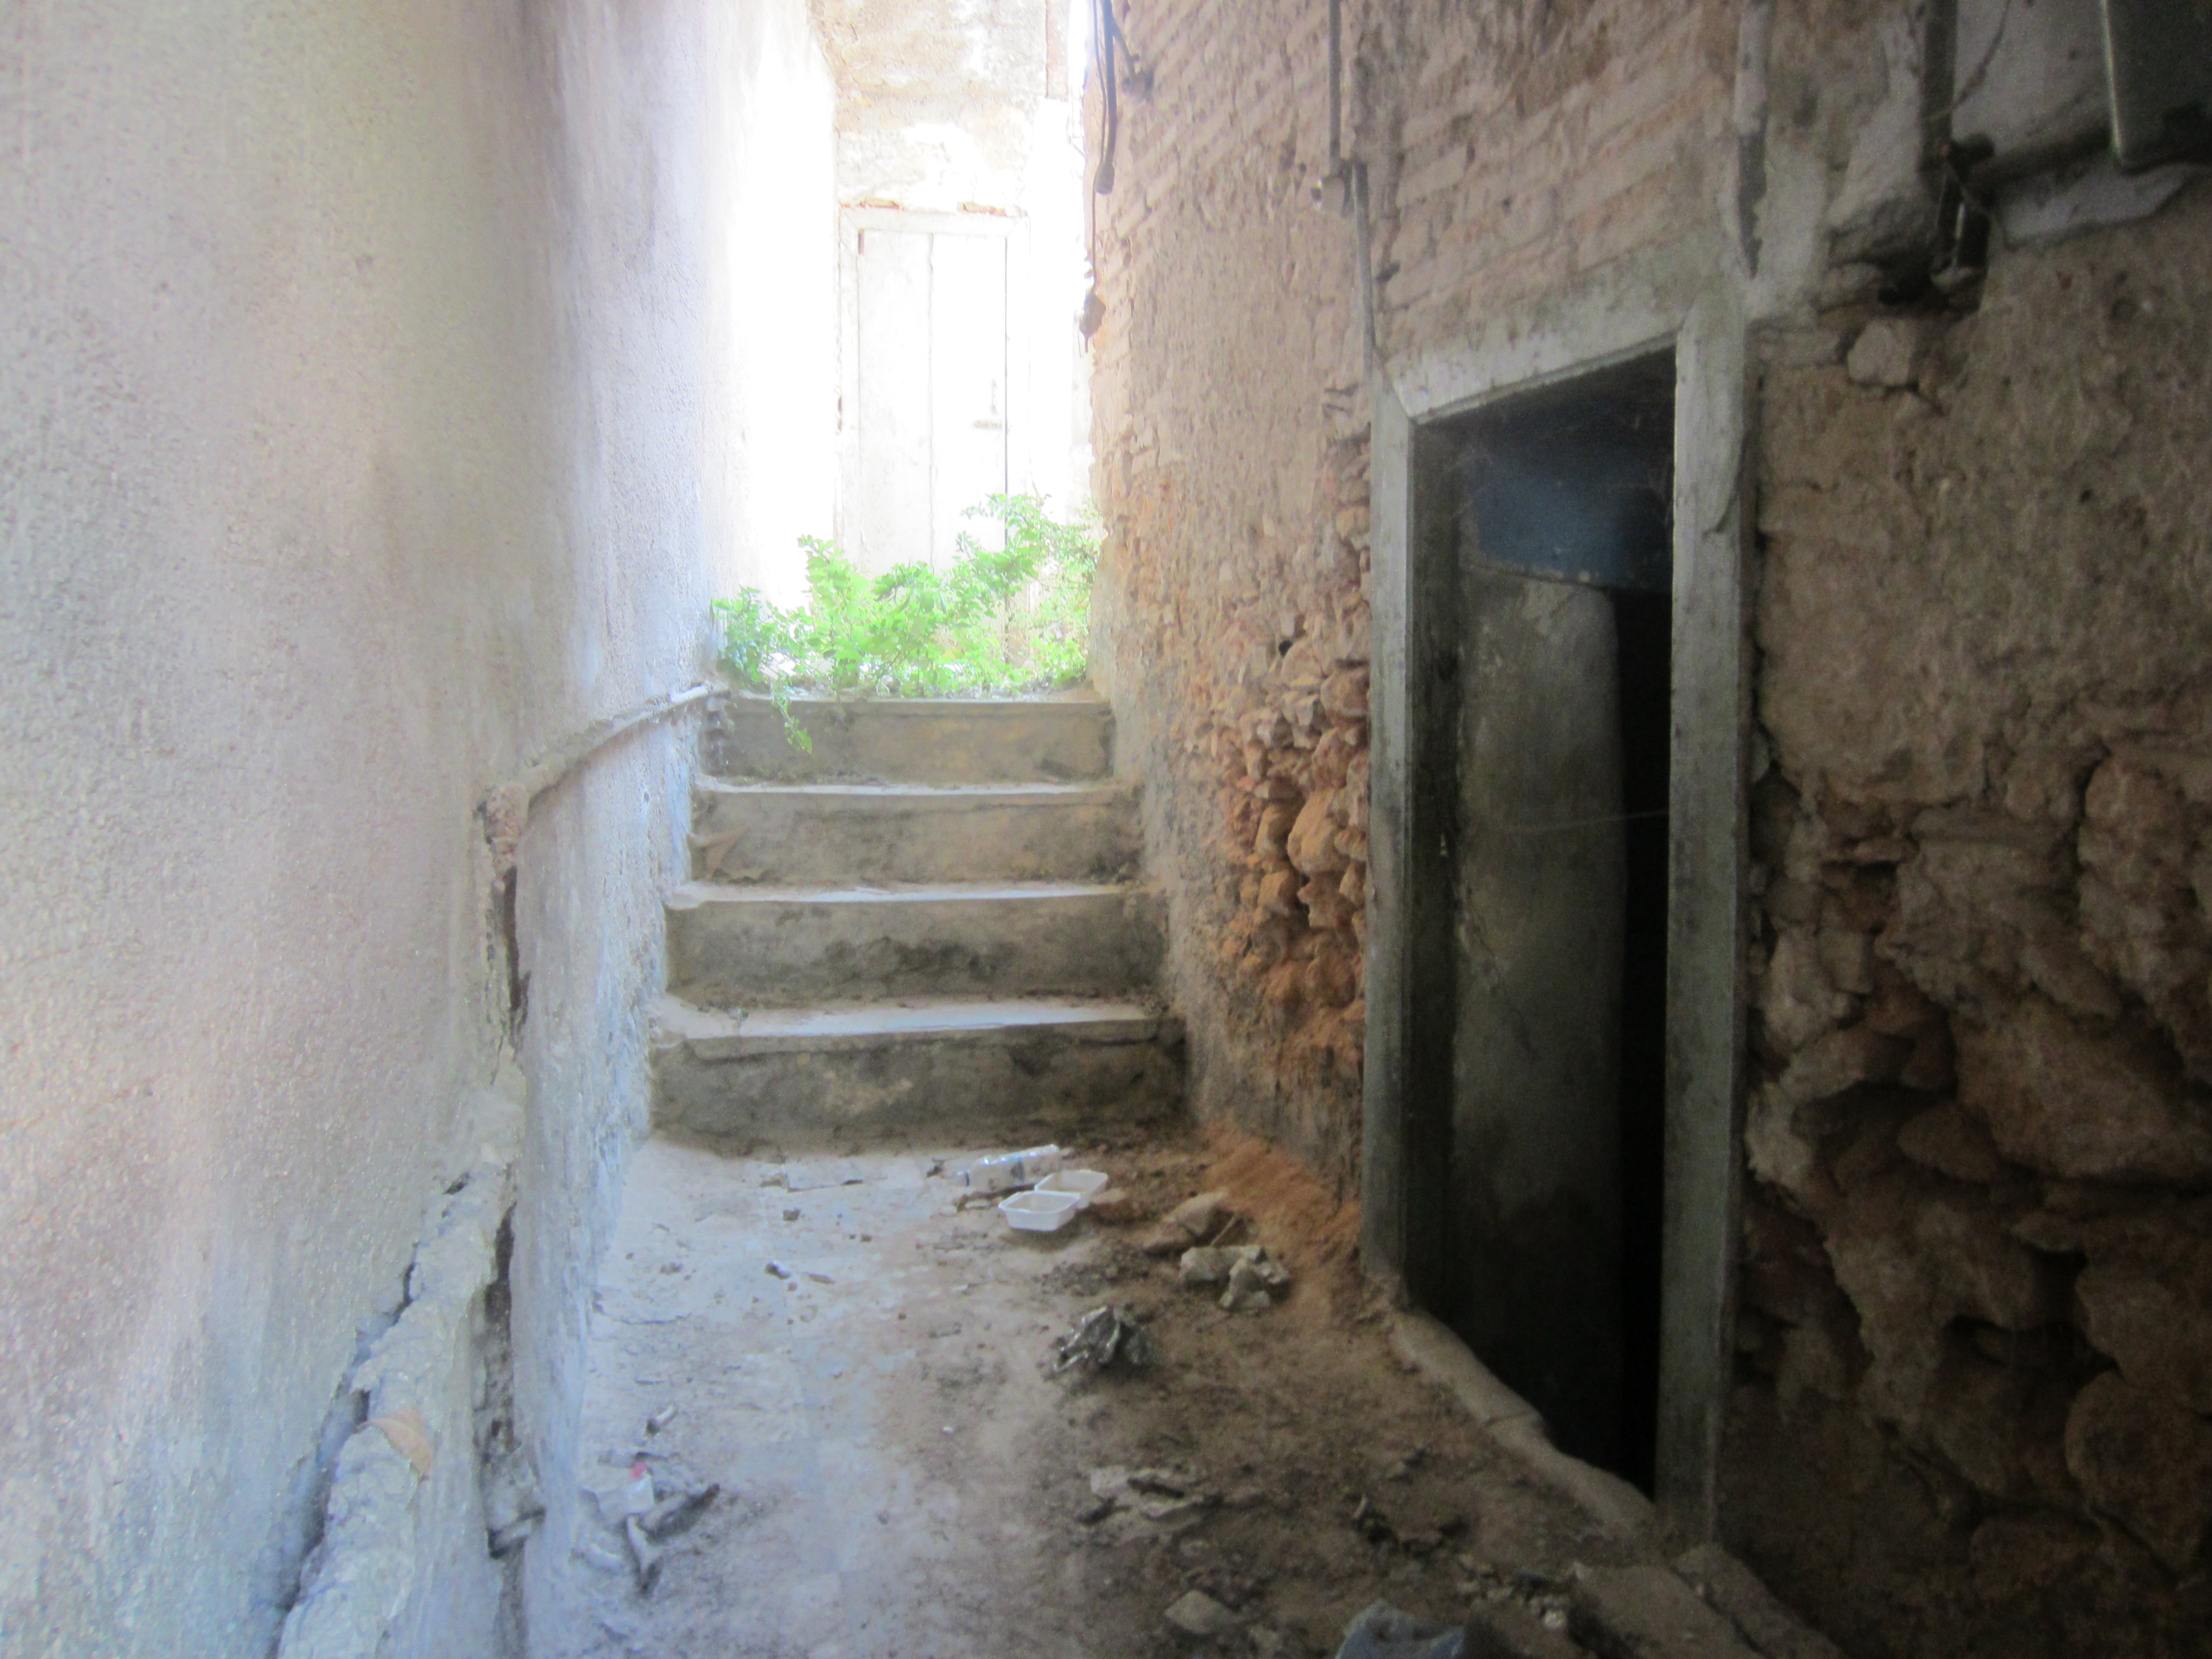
1012	618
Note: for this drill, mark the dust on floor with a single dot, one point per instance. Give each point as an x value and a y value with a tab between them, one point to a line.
865	1370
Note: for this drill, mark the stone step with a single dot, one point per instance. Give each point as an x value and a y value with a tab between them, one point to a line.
1057	740
1009	1072
831	832
794	947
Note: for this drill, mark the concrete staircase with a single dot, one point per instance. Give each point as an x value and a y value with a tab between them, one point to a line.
929	926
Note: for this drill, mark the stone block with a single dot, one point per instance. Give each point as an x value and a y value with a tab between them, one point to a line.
1647	1613
1848	956
2001	1429
2015	1555
1946	1139
2061	1101
2156	1320
1344	694
1890	350
1798	999
1775	1151
1734	1590
1914	1254
2146	1464
1841	1060
1505	1630
1312	843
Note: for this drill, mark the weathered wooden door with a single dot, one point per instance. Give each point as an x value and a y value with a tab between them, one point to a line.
927	413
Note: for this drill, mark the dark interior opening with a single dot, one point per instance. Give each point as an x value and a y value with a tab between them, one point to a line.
1561	542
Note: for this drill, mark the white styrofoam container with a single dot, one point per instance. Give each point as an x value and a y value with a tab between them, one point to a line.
1085	1184
1040	1212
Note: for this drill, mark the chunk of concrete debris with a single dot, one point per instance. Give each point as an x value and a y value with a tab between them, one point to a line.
1103	1338
1890	350
1764	1622
1254	1277
1117	1208
1382	1631
1647	1613
1204	1266
1197	1614
677	1513
1200	1220
1254	1283
645	1555
1204	1216
1171	1493
1506	1630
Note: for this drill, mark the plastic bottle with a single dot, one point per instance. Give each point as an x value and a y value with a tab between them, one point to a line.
1003	1172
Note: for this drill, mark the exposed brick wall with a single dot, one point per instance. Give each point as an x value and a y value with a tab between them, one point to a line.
1516	148
1232	617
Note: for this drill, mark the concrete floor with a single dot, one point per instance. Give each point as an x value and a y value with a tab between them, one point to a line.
870	1416
865	1371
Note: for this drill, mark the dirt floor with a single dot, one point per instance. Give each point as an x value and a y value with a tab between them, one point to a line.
865	1370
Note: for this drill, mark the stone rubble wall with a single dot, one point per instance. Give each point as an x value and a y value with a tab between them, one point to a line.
1972	1413
1977	1237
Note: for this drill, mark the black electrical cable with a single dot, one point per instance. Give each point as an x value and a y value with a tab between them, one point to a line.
1101	40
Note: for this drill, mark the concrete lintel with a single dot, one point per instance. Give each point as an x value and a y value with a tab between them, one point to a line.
1633	304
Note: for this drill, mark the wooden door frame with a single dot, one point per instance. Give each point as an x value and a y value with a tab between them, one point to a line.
1642	305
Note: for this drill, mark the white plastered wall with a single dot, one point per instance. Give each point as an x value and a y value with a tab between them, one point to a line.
365	426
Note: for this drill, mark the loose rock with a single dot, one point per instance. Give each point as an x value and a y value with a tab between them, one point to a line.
1647	1613
1204	1216
1197	1614
1734	1589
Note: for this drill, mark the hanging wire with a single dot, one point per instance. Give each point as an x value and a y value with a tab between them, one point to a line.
1104	38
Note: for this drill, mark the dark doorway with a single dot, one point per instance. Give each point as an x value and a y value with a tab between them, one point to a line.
1561	529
